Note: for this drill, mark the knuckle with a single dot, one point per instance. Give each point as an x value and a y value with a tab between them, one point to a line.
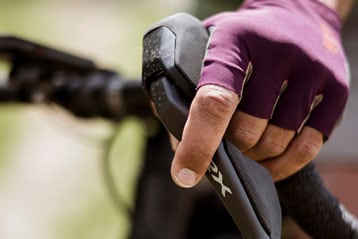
215	104
271	147
307	150
245	137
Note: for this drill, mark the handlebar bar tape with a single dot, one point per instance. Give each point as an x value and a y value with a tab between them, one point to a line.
307	201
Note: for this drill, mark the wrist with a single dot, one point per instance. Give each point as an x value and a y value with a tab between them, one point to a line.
341	7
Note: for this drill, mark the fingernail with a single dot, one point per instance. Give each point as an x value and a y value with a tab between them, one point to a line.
185	178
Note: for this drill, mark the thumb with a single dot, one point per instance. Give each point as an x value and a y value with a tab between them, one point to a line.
209	116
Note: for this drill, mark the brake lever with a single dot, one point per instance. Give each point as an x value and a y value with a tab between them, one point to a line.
173	50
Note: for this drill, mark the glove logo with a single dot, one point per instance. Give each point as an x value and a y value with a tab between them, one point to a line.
328	39
217	176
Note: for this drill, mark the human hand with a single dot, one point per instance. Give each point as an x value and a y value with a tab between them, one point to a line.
274	83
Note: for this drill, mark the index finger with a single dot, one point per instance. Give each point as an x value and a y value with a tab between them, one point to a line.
210	113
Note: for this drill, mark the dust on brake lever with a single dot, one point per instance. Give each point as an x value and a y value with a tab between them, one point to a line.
173	50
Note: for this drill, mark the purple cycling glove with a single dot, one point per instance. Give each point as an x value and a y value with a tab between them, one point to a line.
284	58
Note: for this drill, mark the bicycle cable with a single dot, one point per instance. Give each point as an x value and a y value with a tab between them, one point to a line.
107	143
117	197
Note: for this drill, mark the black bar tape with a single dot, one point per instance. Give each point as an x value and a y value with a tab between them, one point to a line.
308	202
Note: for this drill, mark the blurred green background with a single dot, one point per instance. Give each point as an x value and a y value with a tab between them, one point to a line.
51	183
